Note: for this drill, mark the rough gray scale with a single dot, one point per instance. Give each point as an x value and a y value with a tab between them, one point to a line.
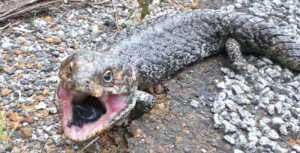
174	42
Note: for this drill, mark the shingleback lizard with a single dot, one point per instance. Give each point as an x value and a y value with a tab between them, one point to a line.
100	89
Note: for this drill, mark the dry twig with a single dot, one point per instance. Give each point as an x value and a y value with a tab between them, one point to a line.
89	144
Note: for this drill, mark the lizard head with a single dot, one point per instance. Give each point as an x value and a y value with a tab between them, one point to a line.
95	92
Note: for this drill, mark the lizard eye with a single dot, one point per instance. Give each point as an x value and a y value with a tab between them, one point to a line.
108	76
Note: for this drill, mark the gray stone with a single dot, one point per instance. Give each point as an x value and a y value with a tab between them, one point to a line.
195	103
272	134
237	89
283	129
7	43
296	147
271	109
265	141
41	105
52	110
278	108
237	151
221	85
218	106
232	106
217	121
228	127
277	121
230	139
56	138
242	140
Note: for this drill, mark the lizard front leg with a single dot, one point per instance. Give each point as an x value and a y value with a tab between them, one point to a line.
144	103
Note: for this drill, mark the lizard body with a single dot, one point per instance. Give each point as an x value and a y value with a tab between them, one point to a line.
148	56
177	41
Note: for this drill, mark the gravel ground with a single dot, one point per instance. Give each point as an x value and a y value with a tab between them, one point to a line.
259	111
209	108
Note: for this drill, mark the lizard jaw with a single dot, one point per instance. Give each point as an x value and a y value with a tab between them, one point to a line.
99	116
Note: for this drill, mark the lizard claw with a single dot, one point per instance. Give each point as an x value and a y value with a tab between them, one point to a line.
157	89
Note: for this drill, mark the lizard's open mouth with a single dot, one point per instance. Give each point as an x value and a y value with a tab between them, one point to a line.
84	115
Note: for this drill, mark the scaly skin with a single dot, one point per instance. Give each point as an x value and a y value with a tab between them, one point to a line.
147	56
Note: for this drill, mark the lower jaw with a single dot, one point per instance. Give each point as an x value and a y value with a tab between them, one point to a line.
86	131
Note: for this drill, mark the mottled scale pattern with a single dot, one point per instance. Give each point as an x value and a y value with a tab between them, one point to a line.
258	36
173	42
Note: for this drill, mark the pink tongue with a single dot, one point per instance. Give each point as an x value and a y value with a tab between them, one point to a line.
63	94
116	103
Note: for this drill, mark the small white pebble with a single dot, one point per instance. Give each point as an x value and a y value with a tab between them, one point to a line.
52	110
203	150
195	103
238	151
296	147
41	105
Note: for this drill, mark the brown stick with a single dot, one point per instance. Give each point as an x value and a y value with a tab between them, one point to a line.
25	9
14	8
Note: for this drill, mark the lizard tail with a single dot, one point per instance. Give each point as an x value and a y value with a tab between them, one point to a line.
263	38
